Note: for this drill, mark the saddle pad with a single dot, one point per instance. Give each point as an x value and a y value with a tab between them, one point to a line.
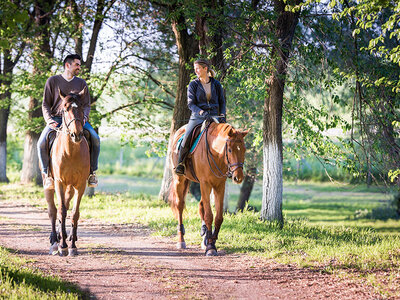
196	141
51	137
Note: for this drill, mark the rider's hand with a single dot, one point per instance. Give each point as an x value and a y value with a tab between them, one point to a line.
53	125
204	113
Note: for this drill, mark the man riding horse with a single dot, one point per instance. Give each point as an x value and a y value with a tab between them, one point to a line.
66	83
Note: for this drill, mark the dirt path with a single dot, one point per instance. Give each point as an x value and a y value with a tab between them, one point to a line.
117	262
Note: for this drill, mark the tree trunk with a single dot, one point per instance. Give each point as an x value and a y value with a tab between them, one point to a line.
5	101
41	65
89	191
245	191
194	189
284	28
226	199
30	168
4	112
187	49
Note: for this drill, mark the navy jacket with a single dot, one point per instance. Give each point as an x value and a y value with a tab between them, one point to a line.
197	99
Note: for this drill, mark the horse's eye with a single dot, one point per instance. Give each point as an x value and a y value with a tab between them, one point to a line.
230	150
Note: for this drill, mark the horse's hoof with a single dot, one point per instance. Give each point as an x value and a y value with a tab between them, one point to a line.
180	245
53	249
63	251
212	252
72	251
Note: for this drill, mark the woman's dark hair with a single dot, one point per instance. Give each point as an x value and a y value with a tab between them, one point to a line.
205	63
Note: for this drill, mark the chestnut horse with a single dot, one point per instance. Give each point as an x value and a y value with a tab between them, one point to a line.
70	166
218	155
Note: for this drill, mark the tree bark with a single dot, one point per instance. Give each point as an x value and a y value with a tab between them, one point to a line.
188	48
4	112
284	27
42	52
194	189
245	190
5	101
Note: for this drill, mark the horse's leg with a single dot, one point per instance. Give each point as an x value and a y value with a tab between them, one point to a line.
203	229
208	219
69	194
219	193
62	215
181	185
73	251
52	212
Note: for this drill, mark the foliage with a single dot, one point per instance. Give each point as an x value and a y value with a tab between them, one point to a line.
12	20
305	124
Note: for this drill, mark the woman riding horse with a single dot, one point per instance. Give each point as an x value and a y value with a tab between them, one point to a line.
219	154
205	99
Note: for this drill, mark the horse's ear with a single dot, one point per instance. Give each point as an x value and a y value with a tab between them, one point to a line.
62	96
231	132
83	92
245	132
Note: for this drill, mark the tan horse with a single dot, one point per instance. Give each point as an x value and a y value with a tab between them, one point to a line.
70	166
219	154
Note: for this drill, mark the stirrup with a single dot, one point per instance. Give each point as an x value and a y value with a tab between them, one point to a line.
48	182
92	180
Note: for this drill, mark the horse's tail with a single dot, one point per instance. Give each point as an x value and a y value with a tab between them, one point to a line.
173	200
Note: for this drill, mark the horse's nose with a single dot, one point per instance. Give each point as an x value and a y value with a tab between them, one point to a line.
237	179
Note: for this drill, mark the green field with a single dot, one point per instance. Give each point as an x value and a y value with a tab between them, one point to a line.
335	228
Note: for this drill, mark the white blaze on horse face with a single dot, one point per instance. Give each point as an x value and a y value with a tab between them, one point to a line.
74	104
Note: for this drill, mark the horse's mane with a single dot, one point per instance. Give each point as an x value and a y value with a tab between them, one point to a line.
71	97
216	129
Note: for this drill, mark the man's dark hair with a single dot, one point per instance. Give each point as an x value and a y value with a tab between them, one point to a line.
70	58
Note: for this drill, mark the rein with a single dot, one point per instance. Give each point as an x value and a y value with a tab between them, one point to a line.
67	124
221	174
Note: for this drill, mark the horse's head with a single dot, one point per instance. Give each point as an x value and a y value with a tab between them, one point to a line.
73	116
235	150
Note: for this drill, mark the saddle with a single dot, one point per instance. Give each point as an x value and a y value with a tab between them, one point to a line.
193	140
51	137
197	132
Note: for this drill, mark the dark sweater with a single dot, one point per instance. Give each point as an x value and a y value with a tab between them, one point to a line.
197	99
51	98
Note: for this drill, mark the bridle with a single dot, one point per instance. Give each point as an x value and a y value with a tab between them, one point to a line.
67	124
221	174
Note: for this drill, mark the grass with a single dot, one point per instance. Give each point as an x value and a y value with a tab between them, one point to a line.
320	230
17	281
